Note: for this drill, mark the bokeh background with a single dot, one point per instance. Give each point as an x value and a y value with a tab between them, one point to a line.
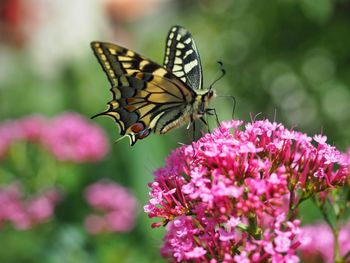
286	60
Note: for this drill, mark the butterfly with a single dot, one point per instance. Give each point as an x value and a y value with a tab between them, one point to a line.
148	97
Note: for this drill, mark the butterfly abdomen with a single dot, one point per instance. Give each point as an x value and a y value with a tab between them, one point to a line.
190	112
173	121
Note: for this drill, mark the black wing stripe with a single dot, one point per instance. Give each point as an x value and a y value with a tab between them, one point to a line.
182	57
99	52
157	110
166	91
156	105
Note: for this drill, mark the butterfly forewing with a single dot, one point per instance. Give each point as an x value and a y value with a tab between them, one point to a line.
117	61
182	57
146	97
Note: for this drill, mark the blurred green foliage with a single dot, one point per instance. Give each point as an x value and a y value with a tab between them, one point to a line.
285	59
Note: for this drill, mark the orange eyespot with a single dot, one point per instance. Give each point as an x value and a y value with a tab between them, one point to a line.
130	100
130	108
137	127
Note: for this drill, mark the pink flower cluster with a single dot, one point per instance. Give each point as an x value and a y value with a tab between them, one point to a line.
346	159
69	137
27	129
278	244
320	246
185	240
230	197
25	213
115	208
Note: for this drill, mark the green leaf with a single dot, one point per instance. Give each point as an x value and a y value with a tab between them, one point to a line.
319	11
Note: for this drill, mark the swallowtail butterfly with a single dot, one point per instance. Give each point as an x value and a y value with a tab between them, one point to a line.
148	97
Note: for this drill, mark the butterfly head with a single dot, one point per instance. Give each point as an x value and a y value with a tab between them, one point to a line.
211	94
202	101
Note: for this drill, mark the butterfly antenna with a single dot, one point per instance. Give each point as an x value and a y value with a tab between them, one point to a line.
223	73
234	103
254	118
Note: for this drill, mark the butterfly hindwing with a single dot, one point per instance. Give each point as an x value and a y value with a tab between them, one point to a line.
146	103
182	57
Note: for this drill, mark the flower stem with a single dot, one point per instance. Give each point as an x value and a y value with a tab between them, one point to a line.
253	228
291	206
335	232
347	255
337	257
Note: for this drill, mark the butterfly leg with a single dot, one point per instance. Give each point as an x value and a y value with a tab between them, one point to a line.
192	122
205	121
193	136
193	129
212	111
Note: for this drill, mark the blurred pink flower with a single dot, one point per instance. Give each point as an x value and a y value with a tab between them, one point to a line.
116	207
32	128
41	207
5	138
346	160
70	137
26	213
229	193
29	128
320	245
11	206
10	132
